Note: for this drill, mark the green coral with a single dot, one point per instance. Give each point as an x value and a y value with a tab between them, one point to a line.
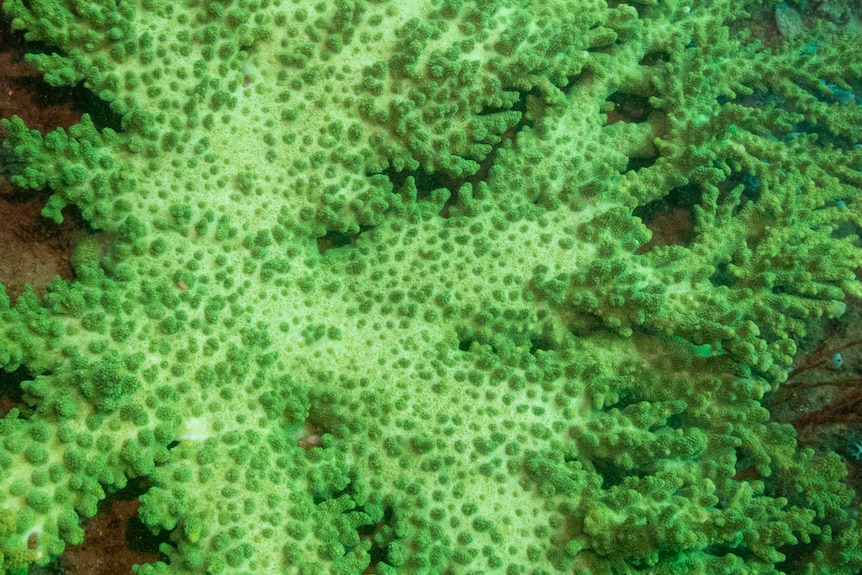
377	290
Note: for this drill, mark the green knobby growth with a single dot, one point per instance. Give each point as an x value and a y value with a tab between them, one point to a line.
373	286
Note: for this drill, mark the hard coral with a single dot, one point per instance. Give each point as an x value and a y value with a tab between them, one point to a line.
500	377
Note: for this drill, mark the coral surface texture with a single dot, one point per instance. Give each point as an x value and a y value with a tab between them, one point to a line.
376	286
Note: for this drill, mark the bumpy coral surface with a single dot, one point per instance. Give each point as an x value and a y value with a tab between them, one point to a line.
376	290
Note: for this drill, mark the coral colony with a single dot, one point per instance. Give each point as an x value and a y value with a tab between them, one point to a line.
372	289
